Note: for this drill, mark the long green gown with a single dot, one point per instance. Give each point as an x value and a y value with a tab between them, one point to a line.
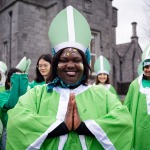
39	112
138	103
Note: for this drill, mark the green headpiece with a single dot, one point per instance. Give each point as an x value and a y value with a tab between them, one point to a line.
3	67
24	65
146	56
101	65
69	29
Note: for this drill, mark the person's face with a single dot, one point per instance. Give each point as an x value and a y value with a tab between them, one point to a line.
147	71
44	67
102	78
70	66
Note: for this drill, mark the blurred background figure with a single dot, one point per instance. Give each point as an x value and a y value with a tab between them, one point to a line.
43	67
3	70
16	84
102	69
138	102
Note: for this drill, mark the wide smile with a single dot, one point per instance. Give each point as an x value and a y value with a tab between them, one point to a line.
71	73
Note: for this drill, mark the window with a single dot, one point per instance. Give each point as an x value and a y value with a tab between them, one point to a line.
5	52
95	48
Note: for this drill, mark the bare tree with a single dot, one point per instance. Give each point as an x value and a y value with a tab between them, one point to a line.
147	14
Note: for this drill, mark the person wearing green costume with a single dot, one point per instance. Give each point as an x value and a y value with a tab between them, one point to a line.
102	69
138	102
3	70
15	85
68	114
42	70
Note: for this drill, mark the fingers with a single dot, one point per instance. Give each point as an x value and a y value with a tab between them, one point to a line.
69	113
76	117
72	118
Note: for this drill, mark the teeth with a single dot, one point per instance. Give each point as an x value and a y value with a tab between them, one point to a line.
71	73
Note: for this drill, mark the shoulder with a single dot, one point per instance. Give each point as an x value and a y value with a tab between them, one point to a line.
98	88
134	82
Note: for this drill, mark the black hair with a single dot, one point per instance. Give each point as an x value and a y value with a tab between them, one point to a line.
55	61
9	74
47	57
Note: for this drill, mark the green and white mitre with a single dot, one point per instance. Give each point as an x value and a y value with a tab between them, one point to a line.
101	65
69	29
24	65
3	70
146	56
3	67
140	68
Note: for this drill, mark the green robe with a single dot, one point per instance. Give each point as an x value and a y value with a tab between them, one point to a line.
138	103
39	112
9	98
2	88
110	88
34	83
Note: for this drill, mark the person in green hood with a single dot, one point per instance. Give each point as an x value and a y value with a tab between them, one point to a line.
138	102
67	113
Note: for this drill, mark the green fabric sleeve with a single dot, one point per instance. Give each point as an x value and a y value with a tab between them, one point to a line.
19	83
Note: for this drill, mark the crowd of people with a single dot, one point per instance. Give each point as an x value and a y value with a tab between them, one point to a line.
59	110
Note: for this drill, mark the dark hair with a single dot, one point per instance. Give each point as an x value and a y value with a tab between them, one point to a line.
55	61
10	73
47	57
97	81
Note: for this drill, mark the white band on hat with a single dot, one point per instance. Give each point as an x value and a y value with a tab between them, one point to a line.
102	71
70	44
146	64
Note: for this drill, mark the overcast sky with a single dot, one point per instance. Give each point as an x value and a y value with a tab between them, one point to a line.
130	11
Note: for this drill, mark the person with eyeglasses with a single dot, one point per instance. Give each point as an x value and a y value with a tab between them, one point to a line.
42	70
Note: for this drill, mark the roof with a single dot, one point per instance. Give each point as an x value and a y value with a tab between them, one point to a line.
123	48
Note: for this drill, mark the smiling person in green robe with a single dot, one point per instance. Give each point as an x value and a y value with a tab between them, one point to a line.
67	114
138	102
102	69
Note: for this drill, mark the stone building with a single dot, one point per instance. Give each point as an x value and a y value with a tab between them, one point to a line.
127	56
24	28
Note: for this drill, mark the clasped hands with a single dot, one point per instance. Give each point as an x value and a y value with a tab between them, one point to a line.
72	118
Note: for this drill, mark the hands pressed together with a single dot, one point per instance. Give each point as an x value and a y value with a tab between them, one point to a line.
72	118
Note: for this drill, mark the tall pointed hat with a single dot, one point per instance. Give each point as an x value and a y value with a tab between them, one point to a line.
69	29
146	56
24	65
3	67
140	68
101	65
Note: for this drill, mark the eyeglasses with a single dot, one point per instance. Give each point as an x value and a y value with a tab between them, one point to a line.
44	66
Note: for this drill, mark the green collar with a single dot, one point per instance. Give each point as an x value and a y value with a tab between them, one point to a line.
146	83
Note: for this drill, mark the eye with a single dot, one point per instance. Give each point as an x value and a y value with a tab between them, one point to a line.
78	60
63	61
